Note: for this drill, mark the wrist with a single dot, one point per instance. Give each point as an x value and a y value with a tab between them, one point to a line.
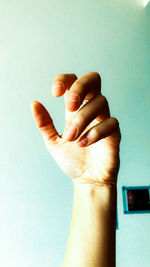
100	194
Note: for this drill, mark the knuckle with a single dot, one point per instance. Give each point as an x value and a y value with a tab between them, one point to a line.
96	74
81	118
80	83
73	74
84	80
44	125
104	99
115	122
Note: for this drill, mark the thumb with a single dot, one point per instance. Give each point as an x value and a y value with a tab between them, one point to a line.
43	121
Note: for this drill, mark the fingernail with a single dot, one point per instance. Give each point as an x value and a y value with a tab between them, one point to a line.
57	85
83	142
70	133
73	100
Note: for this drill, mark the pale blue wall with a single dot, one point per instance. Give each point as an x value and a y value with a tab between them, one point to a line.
40	39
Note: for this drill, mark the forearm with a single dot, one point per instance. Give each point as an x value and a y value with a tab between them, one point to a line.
92	237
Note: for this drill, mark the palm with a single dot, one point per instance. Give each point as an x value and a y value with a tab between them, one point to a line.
98	162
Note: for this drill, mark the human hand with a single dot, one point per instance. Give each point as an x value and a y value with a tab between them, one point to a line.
95	160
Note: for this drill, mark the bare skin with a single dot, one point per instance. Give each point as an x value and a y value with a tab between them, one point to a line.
92	165
98	160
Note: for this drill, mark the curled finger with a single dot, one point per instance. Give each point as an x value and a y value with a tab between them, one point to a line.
99	131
